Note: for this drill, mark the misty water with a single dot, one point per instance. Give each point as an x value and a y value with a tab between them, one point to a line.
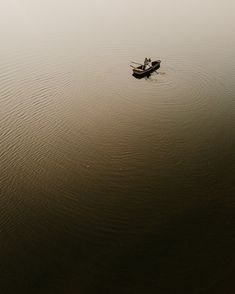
110	184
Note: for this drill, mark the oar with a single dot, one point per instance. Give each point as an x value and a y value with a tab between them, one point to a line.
132	66
136	63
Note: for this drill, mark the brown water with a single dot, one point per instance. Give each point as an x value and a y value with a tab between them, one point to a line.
111	184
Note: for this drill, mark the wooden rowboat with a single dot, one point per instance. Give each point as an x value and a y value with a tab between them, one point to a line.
140	71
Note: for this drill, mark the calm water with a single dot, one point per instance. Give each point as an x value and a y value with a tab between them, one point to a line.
111	184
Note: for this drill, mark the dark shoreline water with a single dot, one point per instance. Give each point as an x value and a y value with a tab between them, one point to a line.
110	184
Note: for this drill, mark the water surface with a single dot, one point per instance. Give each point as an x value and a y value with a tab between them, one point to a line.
111	184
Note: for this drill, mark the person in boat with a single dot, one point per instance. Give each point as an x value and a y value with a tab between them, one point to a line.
146	61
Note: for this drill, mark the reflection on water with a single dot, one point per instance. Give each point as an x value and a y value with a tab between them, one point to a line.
111	184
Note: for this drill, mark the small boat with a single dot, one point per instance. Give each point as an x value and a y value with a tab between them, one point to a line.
142	71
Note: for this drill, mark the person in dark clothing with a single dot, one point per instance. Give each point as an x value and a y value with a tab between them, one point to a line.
146	61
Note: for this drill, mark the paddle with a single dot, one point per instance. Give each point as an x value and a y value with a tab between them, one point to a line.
136	63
